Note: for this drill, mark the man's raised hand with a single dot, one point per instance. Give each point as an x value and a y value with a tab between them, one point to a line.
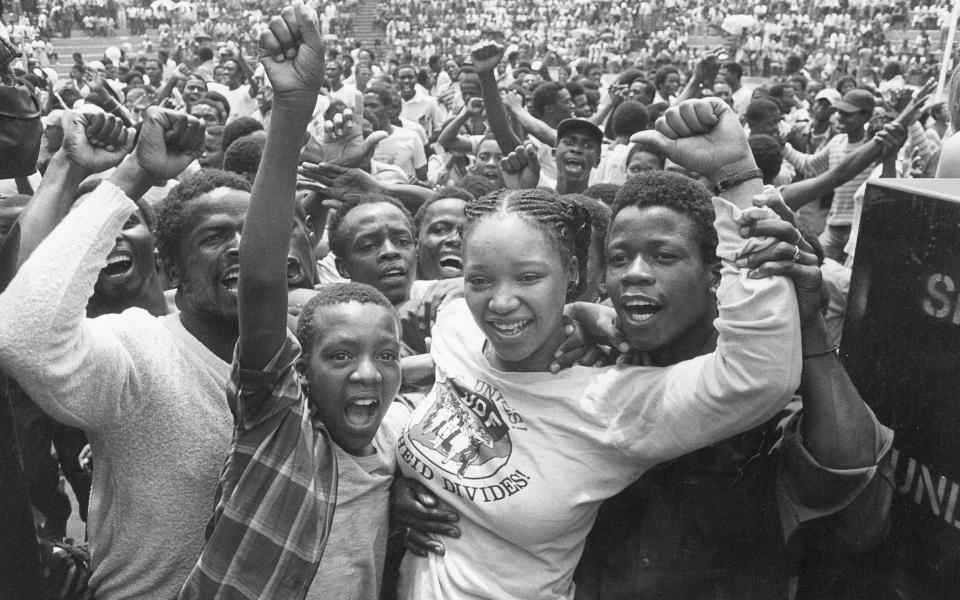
94	140
521	168
486	56
704	136
291	52
169	141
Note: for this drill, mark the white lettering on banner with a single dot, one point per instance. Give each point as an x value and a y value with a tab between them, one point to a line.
933	496
942	298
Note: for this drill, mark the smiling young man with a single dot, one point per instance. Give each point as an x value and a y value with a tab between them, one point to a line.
438	224
417	106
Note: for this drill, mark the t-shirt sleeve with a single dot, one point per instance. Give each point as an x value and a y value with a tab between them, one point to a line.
257	395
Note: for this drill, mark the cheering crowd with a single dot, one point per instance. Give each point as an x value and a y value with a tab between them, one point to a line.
451	324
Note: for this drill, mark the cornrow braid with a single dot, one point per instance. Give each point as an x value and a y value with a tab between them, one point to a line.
567	222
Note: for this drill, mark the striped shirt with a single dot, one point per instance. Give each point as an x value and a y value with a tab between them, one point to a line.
277	491
811	165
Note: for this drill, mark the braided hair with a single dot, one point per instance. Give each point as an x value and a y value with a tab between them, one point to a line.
567	222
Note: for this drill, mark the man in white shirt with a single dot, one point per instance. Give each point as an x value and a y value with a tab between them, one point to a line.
417	106
338	89
402	147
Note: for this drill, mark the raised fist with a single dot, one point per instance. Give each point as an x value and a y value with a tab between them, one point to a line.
94	140
703	136
486	56
291	52
169	141
521	168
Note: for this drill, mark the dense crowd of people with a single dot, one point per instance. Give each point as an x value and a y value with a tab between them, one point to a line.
457	316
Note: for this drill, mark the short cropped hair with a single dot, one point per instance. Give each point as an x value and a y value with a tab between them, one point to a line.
678	193
170	216
338	243
238	128
442	194
333	294
629	118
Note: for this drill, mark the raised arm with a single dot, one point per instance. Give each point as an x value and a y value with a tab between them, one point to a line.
291	52
853	163
450	138
486	56
93	142
75	368
755	367
530	124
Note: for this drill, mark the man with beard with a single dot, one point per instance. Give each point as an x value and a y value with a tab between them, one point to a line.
148	391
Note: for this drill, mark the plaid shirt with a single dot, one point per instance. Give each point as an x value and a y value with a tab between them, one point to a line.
277	491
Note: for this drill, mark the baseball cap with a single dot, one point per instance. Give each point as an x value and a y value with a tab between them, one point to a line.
582	125
830	95
856	101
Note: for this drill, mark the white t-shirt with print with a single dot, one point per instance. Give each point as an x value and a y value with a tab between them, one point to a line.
527	458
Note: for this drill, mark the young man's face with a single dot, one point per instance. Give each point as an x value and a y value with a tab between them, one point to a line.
372	103
380	250
488	161
563	106
578	153
407	80
231	72
153	71
438	240
130	264
206	113
848	122
656	277
353	371
581	106
207	268
333	73
212	157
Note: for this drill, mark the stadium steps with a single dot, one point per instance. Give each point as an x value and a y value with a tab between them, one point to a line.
91	48
363	30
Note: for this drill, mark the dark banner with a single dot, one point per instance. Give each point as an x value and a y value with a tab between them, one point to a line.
901	346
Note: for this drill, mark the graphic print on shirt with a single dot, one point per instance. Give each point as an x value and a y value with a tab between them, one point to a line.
464	433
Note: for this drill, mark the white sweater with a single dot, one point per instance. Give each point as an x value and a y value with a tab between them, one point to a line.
149	395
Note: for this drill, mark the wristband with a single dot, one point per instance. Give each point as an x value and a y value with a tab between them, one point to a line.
734	180
830	350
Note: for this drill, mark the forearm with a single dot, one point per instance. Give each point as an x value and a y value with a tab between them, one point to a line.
449	136
838	429
497	114
802	192
603	110
691	90
265	243
411	196
49	205
536	127
132	179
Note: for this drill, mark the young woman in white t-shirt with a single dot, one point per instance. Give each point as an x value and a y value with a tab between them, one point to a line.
527	457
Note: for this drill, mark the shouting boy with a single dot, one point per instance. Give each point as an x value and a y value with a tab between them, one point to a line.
283	477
